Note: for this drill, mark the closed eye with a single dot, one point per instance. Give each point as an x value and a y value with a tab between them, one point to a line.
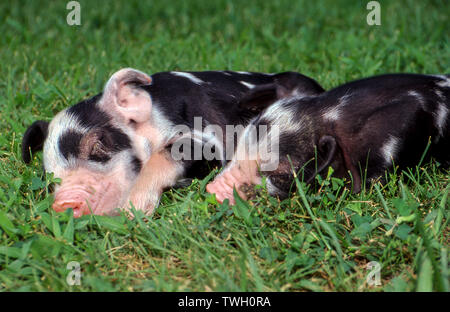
99	150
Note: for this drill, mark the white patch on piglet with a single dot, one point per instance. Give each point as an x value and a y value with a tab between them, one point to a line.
189	76
389	150
54	161
441	117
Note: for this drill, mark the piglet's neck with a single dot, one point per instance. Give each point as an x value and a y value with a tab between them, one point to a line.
158	130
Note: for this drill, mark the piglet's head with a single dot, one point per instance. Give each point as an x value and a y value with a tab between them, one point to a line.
93	146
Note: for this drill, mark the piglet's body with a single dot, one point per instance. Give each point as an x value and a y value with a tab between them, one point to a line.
115	149
360	129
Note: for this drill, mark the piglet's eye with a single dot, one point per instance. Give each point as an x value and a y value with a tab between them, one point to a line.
99	152
98	146
105	139
101	144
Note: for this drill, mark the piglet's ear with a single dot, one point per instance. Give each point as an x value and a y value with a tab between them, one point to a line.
326	152
33	139
262	96
124	99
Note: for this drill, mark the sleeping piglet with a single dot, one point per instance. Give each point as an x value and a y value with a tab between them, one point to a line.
360	129
115	148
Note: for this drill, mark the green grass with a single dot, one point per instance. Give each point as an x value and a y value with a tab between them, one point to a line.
319	239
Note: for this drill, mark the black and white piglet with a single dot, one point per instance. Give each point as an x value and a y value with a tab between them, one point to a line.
115	148
360	129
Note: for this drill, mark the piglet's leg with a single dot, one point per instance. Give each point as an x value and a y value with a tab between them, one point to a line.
158	173
240	175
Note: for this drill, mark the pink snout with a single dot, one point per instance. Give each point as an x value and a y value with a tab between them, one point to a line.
79	200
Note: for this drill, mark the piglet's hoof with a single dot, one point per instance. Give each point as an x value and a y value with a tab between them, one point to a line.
242	177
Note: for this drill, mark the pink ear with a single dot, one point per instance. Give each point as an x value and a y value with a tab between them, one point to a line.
124	100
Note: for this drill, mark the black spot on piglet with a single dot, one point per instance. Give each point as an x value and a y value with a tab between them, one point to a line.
137	164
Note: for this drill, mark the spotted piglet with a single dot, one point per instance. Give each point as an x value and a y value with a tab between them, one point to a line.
115	149
360	129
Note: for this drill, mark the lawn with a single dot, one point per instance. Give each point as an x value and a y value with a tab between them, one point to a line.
321	238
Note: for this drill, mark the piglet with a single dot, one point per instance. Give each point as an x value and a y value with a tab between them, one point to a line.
116	149
360	129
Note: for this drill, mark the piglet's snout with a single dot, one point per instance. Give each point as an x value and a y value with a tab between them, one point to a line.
79	199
